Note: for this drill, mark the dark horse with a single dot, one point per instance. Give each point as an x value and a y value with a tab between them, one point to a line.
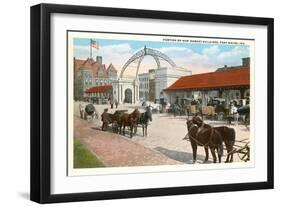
228	136
115	119
143	120
201	134
129	120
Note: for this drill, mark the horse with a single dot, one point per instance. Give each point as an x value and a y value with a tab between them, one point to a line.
192	133
202	134
106	119
115	119
228	136
129	120
143	120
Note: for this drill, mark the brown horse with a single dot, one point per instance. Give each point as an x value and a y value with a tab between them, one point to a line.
192	135
129	120
228	136
201	134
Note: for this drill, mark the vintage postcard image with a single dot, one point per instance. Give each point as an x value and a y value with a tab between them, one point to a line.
150	103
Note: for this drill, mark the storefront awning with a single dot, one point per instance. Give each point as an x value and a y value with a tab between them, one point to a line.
99	89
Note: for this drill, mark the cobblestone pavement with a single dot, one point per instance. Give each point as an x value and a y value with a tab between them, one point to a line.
115	150
165	135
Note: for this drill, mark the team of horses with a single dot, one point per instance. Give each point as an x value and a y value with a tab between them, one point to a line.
122	119
202	134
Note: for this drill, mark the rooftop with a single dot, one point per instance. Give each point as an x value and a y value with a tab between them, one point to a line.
207	81
99	89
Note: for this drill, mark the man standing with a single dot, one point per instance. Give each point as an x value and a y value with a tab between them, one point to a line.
105	120
111	103
116	103
81	110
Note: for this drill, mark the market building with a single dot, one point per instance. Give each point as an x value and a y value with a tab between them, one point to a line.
228	84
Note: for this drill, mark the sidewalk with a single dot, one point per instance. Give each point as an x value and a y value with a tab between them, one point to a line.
115	150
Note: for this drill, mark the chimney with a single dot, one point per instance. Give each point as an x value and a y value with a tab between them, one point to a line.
99	59
246	62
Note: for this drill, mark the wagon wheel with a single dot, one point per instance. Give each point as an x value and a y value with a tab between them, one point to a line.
245	151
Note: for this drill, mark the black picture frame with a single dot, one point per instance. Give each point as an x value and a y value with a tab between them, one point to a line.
41	102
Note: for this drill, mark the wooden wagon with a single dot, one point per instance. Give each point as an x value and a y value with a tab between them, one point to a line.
242	149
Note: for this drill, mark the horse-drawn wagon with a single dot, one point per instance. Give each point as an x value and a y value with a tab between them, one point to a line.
88	112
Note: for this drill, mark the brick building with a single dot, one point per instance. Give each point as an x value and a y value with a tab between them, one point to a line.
90	73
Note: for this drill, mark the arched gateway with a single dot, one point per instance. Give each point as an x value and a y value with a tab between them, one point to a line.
125	87
157	55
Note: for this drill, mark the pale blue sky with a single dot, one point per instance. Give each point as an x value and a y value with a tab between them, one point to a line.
195	57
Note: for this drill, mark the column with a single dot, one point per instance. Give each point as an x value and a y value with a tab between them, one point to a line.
121	93
220	93
118	95
204	100
134	94
227	98
242	93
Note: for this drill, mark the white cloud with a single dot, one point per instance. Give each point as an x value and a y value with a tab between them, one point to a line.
186	57
116	54
120	48
233	56
213	50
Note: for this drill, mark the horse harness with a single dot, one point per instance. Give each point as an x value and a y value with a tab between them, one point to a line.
199	143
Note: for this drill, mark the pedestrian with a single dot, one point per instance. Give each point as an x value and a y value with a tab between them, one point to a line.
105	120
116	103
81	110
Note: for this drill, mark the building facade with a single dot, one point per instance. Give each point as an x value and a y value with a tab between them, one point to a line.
89	73
151	84
143	86
151	93
166	76
227	84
